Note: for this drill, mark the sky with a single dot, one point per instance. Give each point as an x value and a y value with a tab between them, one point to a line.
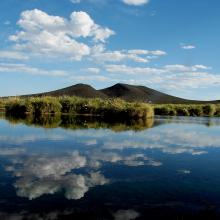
171	46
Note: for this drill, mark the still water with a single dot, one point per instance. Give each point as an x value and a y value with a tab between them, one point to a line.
61	168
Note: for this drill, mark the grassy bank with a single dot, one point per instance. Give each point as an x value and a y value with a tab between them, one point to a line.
187	110
110	108
2	105
105	108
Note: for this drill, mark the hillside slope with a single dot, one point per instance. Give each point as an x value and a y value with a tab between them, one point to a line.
81	90
145	94
123	91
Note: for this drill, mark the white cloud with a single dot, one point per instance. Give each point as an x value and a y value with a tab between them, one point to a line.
173	77
53	35
186	139
74	185
99	54
184	171
182	68
92	70
23	68
43	166
127	2
12	55
75	1
187	47
129	214
90	78
38	175
97	157
11	151
148	52
124	69
117	56
135	2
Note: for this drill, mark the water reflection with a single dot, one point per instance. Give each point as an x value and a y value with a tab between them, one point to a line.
89	169
81	122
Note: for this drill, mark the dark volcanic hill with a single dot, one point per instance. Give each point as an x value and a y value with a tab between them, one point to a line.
123	91
81	90
142	94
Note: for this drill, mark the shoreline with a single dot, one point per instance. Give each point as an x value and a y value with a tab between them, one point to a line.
115	108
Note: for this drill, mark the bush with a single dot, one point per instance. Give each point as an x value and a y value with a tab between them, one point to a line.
209	110
45	105
195	110
166	110
217	112
16	106
182	111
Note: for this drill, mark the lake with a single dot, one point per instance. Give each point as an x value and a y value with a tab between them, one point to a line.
63	168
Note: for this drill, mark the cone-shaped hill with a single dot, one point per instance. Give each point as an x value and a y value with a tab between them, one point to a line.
123	91
81	90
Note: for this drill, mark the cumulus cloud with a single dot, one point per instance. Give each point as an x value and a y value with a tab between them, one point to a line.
75	173
135	2
45	166
39	175
74	185
53	35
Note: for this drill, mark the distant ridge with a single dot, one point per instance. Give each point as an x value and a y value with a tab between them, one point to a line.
123	91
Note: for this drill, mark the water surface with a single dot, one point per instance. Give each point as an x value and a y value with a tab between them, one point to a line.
62	168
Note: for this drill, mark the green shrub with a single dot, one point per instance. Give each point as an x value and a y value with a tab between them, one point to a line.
16	106
182	111
217	112
165	110
45	105
209	110
195	110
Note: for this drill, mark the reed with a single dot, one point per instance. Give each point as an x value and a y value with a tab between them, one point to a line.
187	110
112	108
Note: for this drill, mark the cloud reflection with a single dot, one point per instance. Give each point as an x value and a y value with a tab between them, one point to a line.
129	214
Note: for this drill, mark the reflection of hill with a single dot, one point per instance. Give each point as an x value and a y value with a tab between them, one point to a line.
88	122
82	122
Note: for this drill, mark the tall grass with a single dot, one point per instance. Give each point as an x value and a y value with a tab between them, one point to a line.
112	108
36	106
2	105
108	108
187	110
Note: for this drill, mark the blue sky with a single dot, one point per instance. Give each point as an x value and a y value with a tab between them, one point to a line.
172	46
